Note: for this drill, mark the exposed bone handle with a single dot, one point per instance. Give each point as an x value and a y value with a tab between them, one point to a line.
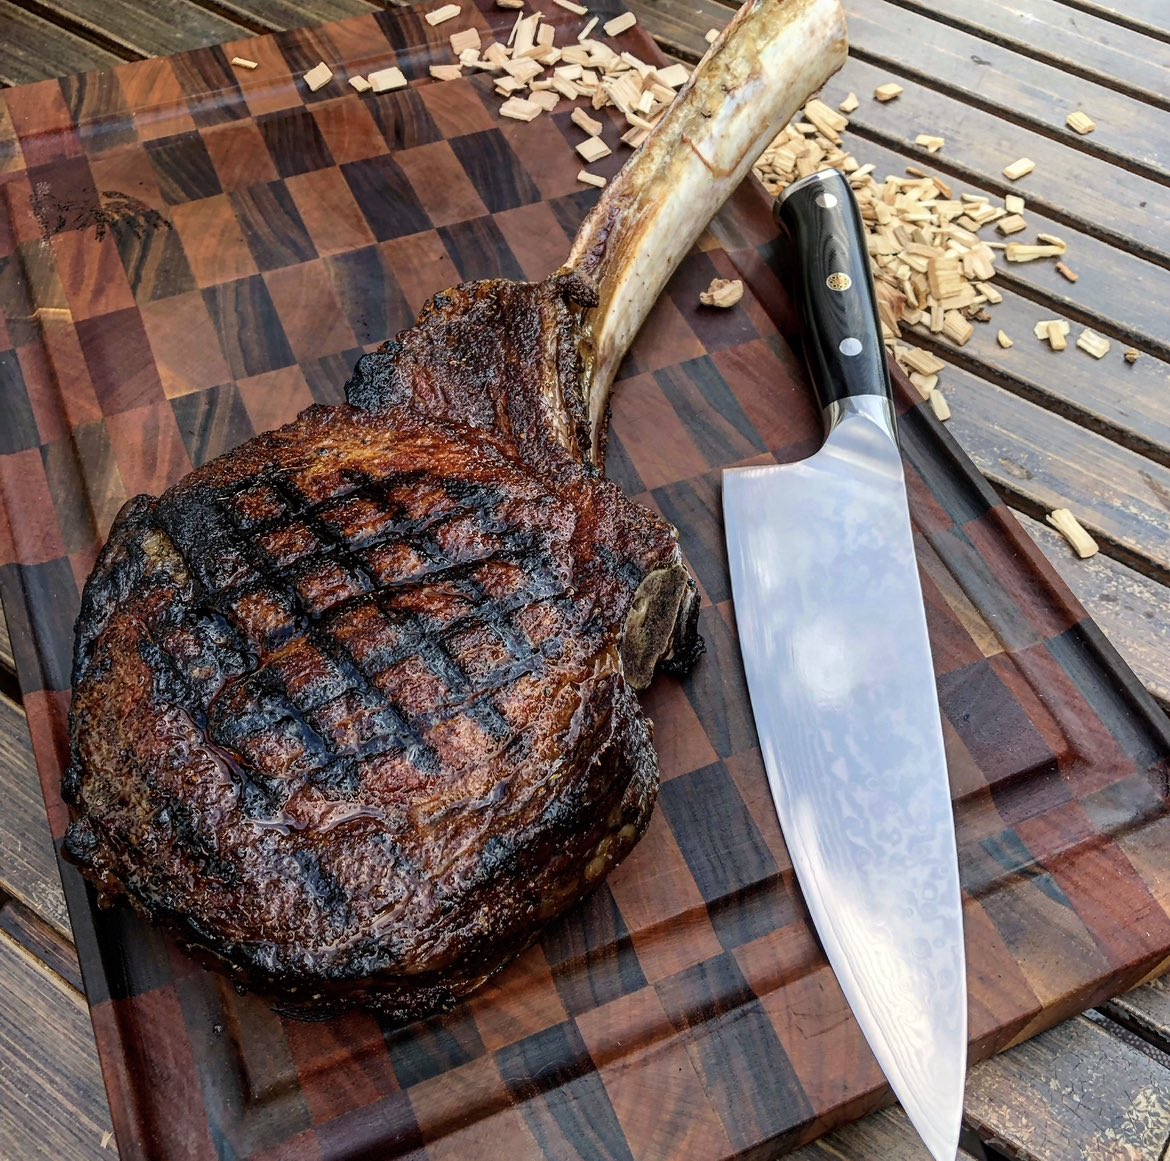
769	60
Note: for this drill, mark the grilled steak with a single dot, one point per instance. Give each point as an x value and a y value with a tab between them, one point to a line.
354	704
350	703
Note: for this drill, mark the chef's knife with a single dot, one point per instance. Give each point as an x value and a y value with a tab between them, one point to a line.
833	634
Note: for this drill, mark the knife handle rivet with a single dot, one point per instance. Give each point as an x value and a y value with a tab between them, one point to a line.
849	346
826	201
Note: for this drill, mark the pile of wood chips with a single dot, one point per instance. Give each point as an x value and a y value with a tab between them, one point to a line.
932	269
533	74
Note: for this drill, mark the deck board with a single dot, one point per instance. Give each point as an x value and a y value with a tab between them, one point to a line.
28	866
1074	41
52	1104
33	48
1011	85
1042	461
136	30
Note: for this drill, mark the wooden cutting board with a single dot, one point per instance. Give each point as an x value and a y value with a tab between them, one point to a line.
190	254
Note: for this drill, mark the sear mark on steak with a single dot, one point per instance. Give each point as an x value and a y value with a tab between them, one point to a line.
354	703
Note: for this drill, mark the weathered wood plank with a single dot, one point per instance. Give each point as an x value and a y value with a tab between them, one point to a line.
1076	42
1087	192
1129	403
1071	1093
1146	1011
1147	16
1009	84
28	866
1129	608
1043	461
43	942
274	15
886	1134
1116	290
143	30
34	49
52	1100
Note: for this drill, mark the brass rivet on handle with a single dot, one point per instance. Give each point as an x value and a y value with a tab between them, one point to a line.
839	281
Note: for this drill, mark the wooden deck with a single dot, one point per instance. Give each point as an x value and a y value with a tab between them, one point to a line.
997	79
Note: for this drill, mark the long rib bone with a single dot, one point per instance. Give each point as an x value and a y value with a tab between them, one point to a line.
768	61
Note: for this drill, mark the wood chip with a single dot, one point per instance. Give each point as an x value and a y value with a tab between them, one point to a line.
1095	344
525	38
887	92
620	24
591	178
1080	123
1073	531
923	362
583	121
945	277
1019	169
1014	204
589	27
520	110
1012	224
925	384
1021	252
468	38
1066	272
939	405
929	143
1040	330
711	35
957	328
446	72
675	76
547	100
576	9
242	62
385	80
442	15
1054	331
593	149
1003	340
1052	240
850	103
318	77
634	136
1131	356
513	4
360	83
723	292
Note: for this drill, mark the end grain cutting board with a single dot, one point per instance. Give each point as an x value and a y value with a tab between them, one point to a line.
190	254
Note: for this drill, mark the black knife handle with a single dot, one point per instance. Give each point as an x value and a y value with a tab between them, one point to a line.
843	343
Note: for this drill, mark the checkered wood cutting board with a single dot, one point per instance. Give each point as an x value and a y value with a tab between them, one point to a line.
190	255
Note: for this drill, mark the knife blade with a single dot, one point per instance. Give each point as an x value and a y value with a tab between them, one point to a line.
833	634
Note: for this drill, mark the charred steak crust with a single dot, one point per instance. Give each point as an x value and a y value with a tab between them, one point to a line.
352	710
